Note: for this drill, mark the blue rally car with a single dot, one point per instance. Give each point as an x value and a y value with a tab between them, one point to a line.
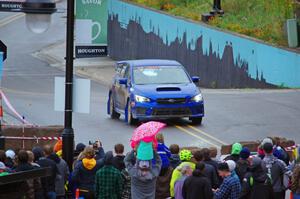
154	89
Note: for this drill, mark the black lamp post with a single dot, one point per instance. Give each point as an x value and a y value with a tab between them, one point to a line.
41	10
68	133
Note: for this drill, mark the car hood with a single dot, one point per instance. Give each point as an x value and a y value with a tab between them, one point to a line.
154	91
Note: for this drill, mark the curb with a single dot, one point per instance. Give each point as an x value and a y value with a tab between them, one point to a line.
81	67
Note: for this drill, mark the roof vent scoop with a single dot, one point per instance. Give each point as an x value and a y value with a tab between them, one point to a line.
168	89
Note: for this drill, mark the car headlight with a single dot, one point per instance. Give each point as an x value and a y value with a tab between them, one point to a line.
197	98
141	99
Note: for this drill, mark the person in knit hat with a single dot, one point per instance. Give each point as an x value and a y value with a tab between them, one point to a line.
164	153
242	164
256	183
260	150
231	187
232	167
236	148
143	171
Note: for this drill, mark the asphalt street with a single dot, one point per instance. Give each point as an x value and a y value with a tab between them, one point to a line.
231	115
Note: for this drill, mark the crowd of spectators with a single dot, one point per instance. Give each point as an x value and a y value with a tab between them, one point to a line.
173	172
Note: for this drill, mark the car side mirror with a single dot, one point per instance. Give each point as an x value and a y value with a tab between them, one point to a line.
195	79
123	81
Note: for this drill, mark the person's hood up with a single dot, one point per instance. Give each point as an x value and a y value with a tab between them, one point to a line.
38	153
89	164
236	148
54	157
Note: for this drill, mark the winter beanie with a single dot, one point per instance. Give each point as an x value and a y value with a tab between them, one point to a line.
10	154
245	153
236	148
231	165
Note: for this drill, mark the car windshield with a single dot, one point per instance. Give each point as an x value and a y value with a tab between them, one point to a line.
160	75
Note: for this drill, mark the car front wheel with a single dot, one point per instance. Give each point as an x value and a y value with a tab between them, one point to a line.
113	113
128	115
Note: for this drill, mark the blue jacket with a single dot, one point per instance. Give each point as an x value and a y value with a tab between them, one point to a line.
164	154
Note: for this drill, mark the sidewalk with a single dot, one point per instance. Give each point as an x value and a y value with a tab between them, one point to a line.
100	69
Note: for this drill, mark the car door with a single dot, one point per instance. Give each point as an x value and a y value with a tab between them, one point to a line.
117	86
124	89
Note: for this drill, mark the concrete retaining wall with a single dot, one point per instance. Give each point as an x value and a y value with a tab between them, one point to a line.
221	59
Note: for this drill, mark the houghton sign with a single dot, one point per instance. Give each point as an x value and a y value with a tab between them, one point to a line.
91	28
11	5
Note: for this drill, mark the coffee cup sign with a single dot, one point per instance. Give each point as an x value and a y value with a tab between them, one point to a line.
84	30
91	28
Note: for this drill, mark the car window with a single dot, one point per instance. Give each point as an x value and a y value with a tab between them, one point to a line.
127	72
160	75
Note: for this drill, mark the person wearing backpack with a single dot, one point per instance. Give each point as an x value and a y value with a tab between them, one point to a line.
256	183
276	170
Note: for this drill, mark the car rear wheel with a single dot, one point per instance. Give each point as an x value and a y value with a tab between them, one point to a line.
196	120
113	113
128	115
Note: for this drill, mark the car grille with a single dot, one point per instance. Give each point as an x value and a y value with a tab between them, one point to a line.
171	100
171	111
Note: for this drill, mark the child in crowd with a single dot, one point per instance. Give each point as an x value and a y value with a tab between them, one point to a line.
174	159
164	153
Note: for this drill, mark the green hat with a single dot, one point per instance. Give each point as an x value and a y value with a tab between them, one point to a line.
145	151
236	148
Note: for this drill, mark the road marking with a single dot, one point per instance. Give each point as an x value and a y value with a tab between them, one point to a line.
8	90
10	19
196	136
207	135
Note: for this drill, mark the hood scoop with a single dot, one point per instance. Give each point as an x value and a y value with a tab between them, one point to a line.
168	89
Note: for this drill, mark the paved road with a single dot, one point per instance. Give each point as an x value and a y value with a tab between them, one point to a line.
231	115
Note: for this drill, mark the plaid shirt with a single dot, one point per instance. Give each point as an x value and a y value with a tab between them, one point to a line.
230	189
109	183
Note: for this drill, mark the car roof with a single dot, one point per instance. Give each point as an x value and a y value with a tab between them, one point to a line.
151	62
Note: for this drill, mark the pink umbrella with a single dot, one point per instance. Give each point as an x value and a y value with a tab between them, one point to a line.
146	132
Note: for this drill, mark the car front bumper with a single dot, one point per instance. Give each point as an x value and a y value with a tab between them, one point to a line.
163	111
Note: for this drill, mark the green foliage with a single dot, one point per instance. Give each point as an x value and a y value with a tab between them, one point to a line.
262	19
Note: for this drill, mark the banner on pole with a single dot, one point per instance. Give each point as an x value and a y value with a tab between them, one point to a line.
81	95
91	28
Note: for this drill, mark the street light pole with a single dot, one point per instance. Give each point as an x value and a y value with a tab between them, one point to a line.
68	133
